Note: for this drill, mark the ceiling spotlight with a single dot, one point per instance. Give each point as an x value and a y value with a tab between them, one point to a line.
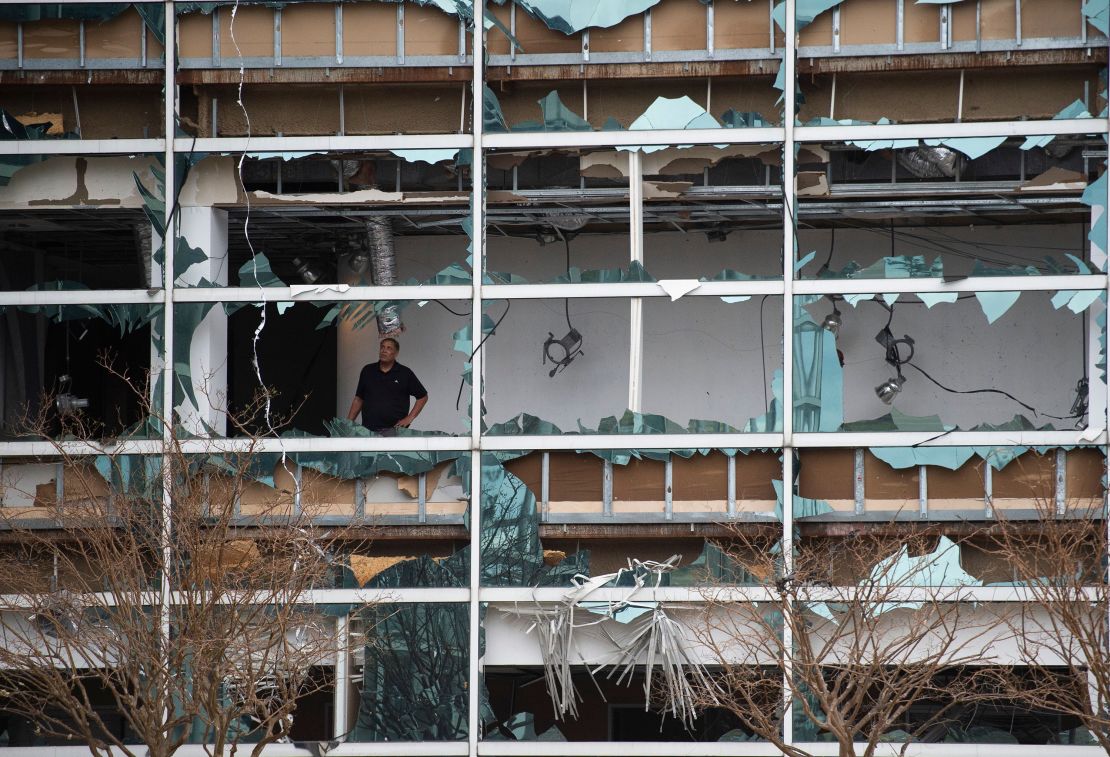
718	234
66	402
833	322
309	273
890	389
358	261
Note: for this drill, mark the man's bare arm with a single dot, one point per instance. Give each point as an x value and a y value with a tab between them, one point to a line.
416	408
356	408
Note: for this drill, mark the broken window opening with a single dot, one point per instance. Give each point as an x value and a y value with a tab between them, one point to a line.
712	103
874	365
522	711
81	367
968	207
410	681
951	485
732	395
311	356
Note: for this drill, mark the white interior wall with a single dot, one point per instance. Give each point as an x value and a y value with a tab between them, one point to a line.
1033	352
19	481
427	346
702	357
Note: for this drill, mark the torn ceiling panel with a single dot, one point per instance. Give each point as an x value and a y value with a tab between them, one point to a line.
668	161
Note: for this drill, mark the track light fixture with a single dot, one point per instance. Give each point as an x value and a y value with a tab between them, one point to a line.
892	387
889	389
833	321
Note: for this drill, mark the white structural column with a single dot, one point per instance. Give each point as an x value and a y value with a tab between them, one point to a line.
206	228
789	254
636	308
478	224
169	106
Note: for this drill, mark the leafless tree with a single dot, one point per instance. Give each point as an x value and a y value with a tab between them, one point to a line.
191	622
1062	629
853	633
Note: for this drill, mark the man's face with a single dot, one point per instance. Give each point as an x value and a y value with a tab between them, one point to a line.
387	352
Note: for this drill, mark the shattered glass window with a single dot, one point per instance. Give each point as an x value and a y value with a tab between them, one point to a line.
1022	360
973	206
409	679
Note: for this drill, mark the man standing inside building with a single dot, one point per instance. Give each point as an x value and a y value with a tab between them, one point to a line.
383	392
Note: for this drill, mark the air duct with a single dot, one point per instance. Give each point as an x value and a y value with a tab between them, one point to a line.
144	241
930	162
383	271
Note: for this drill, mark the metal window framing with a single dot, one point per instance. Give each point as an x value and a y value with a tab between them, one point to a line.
475	443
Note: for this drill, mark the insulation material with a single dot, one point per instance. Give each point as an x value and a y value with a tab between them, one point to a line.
1084	475
79	482
678	25
307	30
627	36
997	94
812	184
51	39
921	23
371	29
252	35
118	37
326	495
194	34
1031	476
888	489
574	477
534	36
529	469
410	485
234	555
867	22
365	568
1052	19
827	474
816	33
56	124
754	473
1056	179
639	480
430	31
961	489
997	20
741	25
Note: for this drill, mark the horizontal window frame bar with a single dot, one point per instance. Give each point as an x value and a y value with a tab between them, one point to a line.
323	293
756	749
83	146
578	442
84	297
1094	281
540	291
394	595
324	143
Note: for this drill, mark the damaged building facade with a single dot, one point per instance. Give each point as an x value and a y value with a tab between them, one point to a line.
695	301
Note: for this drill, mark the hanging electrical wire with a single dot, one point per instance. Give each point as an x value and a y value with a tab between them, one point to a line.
571	344
889	389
